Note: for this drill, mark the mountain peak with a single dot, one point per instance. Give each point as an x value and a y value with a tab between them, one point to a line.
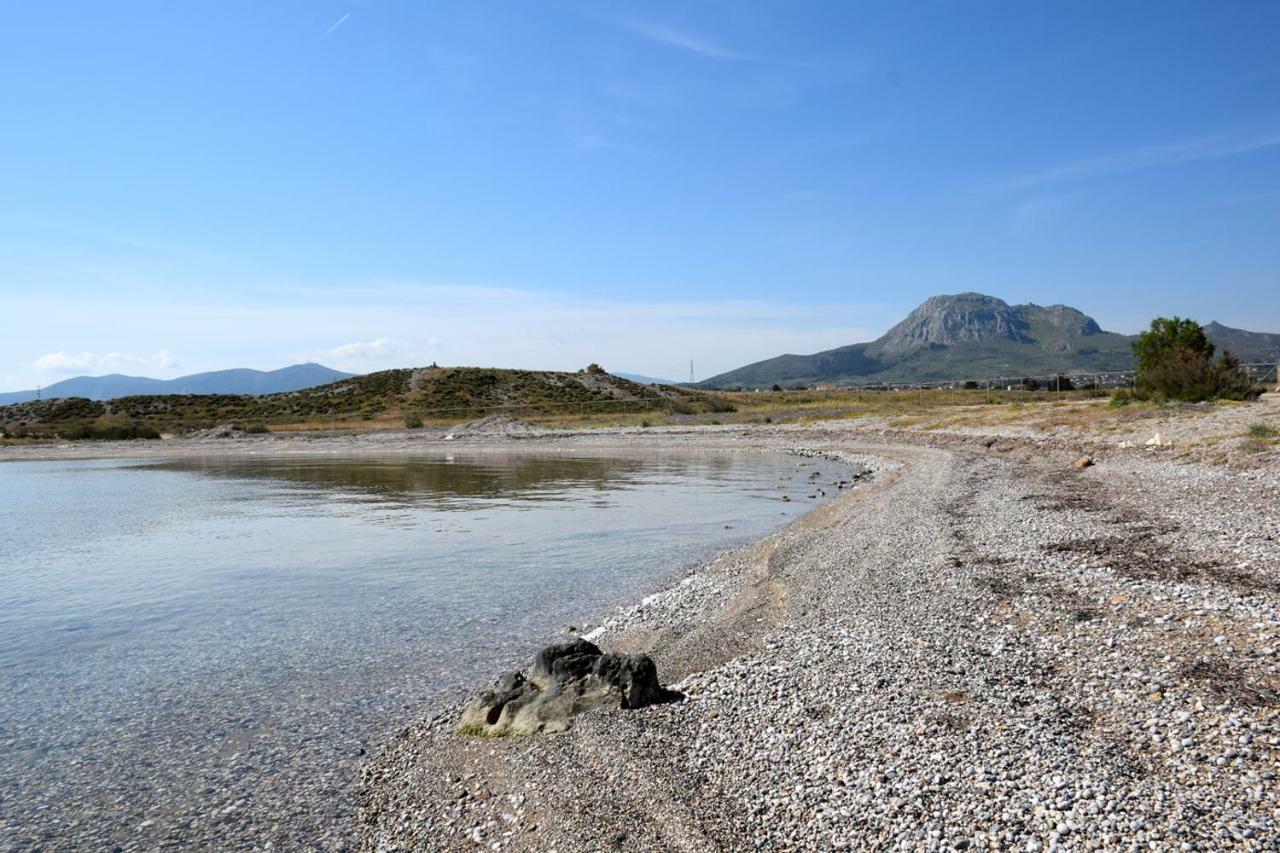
950	319
962	336
1070	320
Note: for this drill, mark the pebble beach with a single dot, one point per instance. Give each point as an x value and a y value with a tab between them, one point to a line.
984	646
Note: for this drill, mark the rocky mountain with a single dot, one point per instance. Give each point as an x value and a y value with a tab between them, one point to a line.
974	336
237	381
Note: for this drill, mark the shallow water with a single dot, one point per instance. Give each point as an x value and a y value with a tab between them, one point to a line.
201	650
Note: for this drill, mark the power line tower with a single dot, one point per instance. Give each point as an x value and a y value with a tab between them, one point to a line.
690	371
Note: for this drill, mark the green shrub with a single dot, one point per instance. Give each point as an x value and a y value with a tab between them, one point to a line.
413	422
256	429
1121	397
1262	431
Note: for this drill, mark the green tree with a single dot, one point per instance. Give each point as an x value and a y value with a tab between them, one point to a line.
1170	338
1175	362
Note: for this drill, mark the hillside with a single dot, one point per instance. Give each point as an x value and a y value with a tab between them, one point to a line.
237	381
1249	347
973	336
447	393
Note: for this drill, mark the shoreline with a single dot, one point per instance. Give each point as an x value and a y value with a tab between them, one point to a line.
982	647
332	828
1196	433
908	664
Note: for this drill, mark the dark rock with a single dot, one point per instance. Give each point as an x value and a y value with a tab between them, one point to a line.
565	680
634	676
563	661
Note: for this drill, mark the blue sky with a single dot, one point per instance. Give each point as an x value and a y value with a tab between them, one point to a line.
192	186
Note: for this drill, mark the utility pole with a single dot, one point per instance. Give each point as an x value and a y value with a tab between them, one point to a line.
690	371
38	389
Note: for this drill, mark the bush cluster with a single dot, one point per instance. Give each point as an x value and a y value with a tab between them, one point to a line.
108	432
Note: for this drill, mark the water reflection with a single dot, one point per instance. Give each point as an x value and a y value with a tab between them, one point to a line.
458	482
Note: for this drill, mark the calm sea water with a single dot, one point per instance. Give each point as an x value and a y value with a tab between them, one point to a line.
201	651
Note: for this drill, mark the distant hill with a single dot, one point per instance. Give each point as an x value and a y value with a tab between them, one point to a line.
646	380
1249	347
239	381
447	393
974	336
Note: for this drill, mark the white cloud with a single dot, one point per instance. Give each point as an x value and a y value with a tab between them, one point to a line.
109	362
377	354
386	324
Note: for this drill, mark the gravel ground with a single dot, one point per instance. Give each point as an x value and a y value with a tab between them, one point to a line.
983	648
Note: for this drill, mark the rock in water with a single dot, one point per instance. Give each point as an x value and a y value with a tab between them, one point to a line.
566	679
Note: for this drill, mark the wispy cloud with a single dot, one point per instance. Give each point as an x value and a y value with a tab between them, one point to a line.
591	141
336	24
684	41
1136	160
91	362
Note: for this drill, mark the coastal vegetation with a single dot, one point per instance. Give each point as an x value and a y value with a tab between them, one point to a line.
400	398
930	409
